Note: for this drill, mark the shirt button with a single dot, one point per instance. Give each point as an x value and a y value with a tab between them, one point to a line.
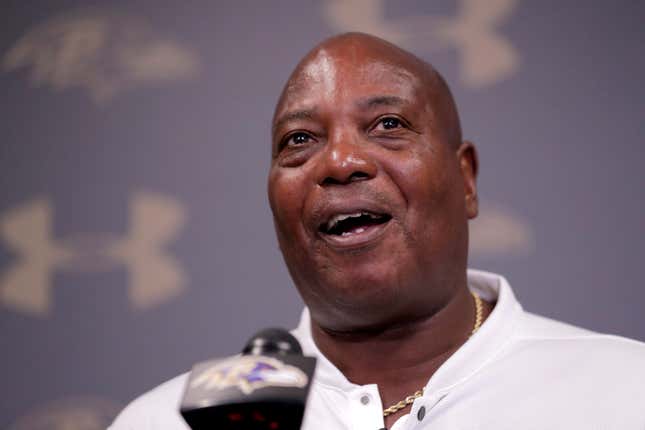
365	399
421	413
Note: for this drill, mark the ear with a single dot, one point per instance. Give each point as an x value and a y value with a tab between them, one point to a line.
469	165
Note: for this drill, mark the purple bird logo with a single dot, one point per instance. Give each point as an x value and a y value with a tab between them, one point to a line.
249	373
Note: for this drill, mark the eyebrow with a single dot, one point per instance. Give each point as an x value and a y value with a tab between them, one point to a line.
294	116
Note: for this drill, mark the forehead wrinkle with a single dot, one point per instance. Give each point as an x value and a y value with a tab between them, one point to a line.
381	68
402	83
385	100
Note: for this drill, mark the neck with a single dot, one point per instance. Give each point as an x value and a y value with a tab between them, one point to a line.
400	359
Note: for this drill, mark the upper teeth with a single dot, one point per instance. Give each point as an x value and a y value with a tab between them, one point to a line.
340	217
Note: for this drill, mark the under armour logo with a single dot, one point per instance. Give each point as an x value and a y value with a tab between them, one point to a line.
499	231
83	413
154	276
485	56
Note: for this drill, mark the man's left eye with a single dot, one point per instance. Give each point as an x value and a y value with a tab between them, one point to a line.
389	123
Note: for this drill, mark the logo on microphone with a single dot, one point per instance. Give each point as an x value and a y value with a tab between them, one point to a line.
249	373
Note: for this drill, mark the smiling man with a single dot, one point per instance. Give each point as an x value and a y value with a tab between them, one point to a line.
371	188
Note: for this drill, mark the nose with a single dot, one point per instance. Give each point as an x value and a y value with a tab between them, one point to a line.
344	160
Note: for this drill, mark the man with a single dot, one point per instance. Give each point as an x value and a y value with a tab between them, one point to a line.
371	188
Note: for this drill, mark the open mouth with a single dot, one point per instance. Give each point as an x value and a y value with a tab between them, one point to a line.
353	223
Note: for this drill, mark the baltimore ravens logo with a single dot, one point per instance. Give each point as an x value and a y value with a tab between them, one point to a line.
249	373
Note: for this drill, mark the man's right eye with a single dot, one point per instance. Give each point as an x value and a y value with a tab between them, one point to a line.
297	139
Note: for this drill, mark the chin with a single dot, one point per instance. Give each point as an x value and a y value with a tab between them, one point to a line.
366	287
361	308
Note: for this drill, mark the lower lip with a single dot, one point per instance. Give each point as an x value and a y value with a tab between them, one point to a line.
366	237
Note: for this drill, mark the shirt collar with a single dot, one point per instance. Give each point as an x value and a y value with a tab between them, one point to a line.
471	357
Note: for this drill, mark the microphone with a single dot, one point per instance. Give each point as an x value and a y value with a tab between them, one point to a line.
265	388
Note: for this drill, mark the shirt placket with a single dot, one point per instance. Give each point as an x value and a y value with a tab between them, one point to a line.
366	409
420	416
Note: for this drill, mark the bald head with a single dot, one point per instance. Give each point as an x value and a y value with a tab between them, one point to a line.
370	57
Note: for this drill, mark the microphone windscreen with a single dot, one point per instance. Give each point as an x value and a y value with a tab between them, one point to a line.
265	388
272	341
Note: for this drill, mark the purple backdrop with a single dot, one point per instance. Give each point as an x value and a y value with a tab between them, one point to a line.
135	234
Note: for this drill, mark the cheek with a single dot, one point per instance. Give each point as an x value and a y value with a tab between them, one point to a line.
420	177
430	185
286	199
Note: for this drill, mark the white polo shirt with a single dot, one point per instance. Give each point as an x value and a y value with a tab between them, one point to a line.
519	371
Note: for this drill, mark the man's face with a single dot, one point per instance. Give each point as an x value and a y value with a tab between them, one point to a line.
368	197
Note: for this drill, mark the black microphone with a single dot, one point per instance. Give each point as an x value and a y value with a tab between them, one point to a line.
265	388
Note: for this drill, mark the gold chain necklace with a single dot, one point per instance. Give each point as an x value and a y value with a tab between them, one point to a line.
479	316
